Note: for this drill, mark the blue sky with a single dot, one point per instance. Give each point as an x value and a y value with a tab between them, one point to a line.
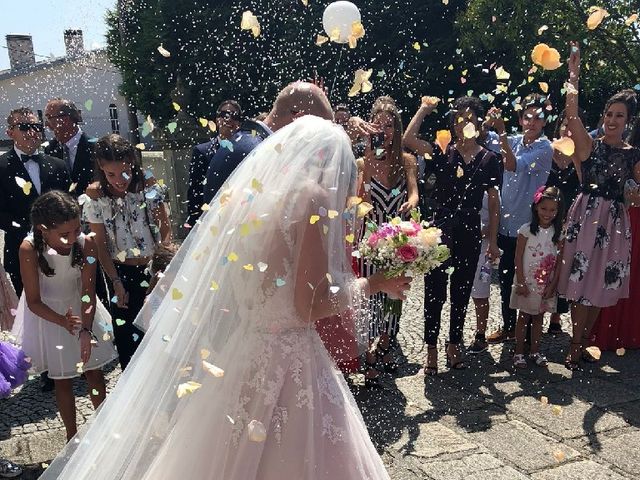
46	21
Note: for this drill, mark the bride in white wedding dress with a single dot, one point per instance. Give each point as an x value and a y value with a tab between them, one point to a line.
232	381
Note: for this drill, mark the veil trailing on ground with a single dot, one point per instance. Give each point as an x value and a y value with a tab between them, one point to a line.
267	258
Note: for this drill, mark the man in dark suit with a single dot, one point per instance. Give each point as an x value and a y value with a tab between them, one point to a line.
70	143
294	101
25	173
228	117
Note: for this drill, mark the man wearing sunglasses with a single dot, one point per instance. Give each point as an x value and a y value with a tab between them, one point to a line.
228	119
25	173
294	101
70	143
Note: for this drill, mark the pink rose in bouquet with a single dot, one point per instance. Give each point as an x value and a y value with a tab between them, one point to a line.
407	253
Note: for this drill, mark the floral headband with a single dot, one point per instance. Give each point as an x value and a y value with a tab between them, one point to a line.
538	195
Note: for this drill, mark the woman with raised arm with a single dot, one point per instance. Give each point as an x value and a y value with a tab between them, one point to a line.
597	254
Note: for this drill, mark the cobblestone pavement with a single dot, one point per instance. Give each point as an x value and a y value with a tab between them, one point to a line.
486	422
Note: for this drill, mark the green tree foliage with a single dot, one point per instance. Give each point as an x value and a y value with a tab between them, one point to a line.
505	31
217	60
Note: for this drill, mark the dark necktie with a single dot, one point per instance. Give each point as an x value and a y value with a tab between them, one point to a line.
26	158
66	156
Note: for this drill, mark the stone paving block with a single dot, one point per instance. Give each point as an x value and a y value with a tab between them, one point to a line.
429	440
477	467
521	445
437	394
564	416
601	392
582	470
623	452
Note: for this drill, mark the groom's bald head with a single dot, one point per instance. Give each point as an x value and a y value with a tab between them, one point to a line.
296	100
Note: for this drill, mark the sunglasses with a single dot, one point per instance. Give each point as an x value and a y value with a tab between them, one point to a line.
25	127
228	114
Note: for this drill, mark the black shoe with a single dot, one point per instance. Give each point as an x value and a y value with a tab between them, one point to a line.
46	384
554	329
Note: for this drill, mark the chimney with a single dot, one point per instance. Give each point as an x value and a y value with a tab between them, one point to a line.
21	54
73	43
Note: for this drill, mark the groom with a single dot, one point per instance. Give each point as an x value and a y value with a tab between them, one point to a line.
295	100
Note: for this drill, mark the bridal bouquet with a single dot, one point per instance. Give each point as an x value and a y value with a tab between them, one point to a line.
398	247
403	246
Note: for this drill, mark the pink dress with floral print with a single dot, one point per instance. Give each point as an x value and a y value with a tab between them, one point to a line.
539	262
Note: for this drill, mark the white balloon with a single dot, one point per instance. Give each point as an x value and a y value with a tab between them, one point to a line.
340	15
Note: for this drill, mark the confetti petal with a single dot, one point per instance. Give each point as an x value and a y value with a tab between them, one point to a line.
187	388
502	74
163	51
120	322
214	285
212	369
564	145
262	267
86	299
250	22
314	219
443	139
176	294
598	14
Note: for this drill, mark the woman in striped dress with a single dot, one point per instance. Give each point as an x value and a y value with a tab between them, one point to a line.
390	185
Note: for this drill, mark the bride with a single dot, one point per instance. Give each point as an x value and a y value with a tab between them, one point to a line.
232	381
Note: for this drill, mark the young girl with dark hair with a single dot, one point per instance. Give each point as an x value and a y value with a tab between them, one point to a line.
596	260
536	278
126	211
63	328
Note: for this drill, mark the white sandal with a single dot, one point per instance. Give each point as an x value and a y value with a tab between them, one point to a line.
519	361
540	359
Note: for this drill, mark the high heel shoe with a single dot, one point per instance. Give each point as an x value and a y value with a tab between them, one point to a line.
570	363
428	369
389	366
454	365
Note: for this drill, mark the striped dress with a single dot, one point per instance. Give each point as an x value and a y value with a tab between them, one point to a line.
386	201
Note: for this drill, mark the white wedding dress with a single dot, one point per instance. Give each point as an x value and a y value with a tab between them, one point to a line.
232	381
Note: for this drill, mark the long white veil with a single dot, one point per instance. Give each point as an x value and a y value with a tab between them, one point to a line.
268	256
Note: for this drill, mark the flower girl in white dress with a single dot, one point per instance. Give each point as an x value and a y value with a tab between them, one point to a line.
58	321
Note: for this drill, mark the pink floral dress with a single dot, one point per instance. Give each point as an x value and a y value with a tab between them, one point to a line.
539	263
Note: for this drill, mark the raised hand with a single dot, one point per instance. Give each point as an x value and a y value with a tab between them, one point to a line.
574	62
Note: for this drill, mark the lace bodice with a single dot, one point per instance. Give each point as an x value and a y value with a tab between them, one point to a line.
605	172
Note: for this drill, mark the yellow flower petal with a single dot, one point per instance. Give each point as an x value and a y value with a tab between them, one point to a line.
212	369
443	139
248	267
469	131
502	74
232	257
314	219
214	285
176	107
564	145
176	294
187	388
321	39
203	121
350	238
598	14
